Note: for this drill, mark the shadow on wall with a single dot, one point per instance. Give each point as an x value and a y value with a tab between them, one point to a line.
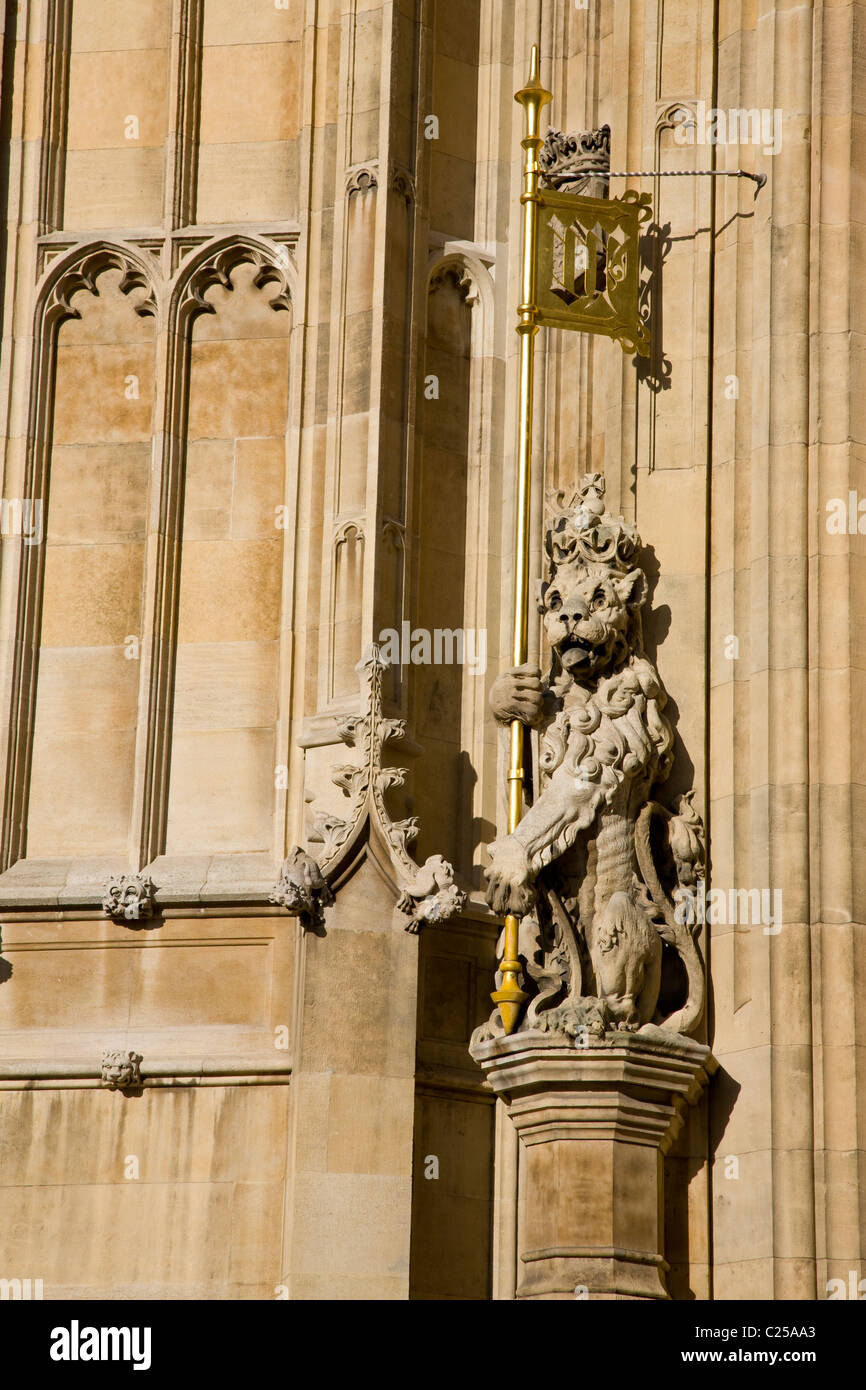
684	1164
655	370
657	624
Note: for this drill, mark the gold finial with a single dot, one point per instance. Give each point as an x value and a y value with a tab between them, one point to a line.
533	96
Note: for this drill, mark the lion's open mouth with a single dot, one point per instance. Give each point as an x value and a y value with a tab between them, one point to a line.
575	651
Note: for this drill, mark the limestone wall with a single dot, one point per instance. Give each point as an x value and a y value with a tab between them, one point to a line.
259	368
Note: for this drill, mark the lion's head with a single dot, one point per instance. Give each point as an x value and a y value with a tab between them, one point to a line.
120	1070
589	615
591	603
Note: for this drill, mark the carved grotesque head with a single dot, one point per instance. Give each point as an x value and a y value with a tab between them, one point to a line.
121	1070
129	897
591	603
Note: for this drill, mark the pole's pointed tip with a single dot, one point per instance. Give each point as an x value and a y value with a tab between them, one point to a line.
509	1012
534	69
509	1000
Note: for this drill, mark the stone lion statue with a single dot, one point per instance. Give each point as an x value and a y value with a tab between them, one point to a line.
594	867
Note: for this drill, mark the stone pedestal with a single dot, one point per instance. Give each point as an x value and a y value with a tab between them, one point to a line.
594	1125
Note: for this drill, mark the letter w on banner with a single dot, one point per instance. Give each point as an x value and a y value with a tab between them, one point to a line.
588	266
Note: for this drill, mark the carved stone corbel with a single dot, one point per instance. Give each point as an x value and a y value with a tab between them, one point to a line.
432	896
301	889
129	897
121	1070
426	893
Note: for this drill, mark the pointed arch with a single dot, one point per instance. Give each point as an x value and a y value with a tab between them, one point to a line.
78	269
475	281
212	264
448	530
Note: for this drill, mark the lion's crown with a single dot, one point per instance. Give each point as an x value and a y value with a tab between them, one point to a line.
583	532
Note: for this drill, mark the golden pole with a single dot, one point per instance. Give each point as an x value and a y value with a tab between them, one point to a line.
510	997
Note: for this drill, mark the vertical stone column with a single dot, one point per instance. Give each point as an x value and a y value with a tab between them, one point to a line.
594	1124
350	1216
353	1097
349	1220
767	1019
837	579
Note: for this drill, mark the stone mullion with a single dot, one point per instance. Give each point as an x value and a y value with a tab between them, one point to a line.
296	653
418	339
183	113
335	463
53	153
24	634
494	408
484	448
20	250
162	570
399	298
